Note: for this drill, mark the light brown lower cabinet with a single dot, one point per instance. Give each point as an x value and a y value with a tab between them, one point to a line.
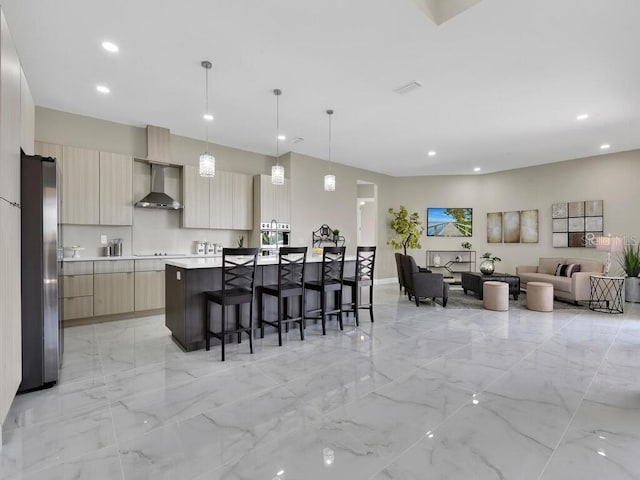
113	293
149	290
77	307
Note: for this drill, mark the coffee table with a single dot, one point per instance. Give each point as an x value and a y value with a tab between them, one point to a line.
474	281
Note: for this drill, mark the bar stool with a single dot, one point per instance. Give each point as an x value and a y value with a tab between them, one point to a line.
238	274
330	281
291	265
365	260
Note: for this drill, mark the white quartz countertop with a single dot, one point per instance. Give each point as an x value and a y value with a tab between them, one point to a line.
193	263
143	257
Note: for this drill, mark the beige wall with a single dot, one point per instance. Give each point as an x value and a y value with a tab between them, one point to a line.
311	206
153	230
611	178
607	177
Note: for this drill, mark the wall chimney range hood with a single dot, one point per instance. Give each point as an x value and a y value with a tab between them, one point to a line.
158	157
157	198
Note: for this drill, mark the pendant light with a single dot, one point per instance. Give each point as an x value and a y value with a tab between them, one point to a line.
207	160
329	179
277	170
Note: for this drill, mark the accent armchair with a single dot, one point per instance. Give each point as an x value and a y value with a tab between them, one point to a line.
423	284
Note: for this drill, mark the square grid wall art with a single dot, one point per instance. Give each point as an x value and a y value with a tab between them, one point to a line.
577	224
513	227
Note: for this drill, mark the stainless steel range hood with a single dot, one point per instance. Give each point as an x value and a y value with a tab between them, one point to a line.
157	198
158	156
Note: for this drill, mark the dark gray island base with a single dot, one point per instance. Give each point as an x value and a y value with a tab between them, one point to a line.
185	306
474	281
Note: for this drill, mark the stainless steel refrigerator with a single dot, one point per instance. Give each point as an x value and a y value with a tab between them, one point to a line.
41	321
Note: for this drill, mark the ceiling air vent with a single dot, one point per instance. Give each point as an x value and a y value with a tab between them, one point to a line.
297	140
409	87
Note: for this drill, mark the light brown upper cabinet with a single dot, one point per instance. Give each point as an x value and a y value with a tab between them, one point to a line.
195	213
80	186
116	189
272	201
222	202
242	202
97	187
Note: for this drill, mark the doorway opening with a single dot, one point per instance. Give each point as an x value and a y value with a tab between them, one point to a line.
367	209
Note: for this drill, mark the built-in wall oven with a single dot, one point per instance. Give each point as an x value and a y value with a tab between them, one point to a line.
273	235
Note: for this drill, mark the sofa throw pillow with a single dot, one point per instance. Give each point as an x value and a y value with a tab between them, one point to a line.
561	269
564	270
571	269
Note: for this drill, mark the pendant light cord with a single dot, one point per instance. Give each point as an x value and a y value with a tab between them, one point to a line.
277	93
206	106
330	112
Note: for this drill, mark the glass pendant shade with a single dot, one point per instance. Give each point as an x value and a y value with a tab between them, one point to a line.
207	165
329	183
277	175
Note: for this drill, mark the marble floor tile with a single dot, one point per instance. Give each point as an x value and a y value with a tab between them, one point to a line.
426	392
398	414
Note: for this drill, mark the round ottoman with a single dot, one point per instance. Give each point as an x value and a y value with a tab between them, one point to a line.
496	296
540	296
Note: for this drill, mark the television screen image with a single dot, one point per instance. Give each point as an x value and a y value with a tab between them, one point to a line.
449	222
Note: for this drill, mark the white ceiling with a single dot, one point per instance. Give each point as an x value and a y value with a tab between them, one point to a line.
502	81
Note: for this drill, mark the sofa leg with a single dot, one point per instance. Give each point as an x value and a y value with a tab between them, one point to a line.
417	301
444	301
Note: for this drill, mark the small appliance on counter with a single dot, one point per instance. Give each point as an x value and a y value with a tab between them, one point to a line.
116	247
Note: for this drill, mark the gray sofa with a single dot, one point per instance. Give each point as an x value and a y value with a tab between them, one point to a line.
575	288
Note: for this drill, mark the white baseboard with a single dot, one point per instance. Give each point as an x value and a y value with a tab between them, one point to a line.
385	281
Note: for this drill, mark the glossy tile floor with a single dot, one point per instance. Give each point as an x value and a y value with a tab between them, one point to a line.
422	393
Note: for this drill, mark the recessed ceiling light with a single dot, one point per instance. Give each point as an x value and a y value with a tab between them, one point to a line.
103	89
208	117
605	146
282	137
477	169
110	47
432	153
582	116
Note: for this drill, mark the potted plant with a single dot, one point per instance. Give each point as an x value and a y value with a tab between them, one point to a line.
466	245
487	267
629	260
407	227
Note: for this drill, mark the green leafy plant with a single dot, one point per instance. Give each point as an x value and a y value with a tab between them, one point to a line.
629	260
407	227
466	245
335	232
490	256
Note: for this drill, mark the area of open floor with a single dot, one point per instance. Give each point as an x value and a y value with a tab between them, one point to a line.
426	392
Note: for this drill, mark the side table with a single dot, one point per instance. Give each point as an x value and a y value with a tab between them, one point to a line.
606	294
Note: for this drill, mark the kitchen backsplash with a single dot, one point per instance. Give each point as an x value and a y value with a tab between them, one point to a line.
153	231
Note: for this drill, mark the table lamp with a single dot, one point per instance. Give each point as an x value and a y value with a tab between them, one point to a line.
610	245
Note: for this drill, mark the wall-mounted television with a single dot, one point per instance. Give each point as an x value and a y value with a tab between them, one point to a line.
449	222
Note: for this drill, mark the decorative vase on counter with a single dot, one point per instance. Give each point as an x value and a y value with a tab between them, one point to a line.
436	261
487	267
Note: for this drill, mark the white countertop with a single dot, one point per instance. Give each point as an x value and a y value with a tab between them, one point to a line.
143	257
193	263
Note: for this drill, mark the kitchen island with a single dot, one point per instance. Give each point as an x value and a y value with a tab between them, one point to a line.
186	280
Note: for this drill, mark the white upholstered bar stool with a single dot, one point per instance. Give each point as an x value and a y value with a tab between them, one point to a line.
496	296
540	296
